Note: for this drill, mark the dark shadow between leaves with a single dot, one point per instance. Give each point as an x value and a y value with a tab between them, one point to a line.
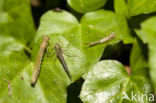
144	48
109	5
135	21
118	51
73	91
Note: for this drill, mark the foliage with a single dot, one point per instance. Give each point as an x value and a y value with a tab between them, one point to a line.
80	22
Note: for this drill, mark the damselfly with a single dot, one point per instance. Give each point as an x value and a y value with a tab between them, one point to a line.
59	55
39	60
103	40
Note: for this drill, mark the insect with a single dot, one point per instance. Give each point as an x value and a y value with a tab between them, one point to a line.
39	60
57	9
59	55
22	78
103	40
9	86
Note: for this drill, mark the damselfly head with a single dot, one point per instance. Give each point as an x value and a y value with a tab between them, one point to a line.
113	35
45	37
57	46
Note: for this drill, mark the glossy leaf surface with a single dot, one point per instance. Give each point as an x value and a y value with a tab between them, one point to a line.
108	82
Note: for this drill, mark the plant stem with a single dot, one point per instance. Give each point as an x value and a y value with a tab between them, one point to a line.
27	49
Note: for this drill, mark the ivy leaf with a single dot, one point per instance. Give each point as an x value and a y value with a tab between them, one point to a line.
148	31
16	67
83	6
129	9
136	7
108	82
139	53
16	20
13	66
121	15
8	44
63	28
16	30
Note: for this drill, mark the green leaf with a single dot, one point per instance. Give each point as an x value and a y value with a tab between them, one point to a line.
16	67
9	44
148	31
108	82
16	30
63	28
64	21
141	34
1	5
16	20
14	64
83	6
136	7
12	68
121	15
139	53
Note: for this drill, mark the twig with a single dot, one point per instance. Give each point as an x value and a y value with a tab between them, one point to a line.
27	49
9	86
